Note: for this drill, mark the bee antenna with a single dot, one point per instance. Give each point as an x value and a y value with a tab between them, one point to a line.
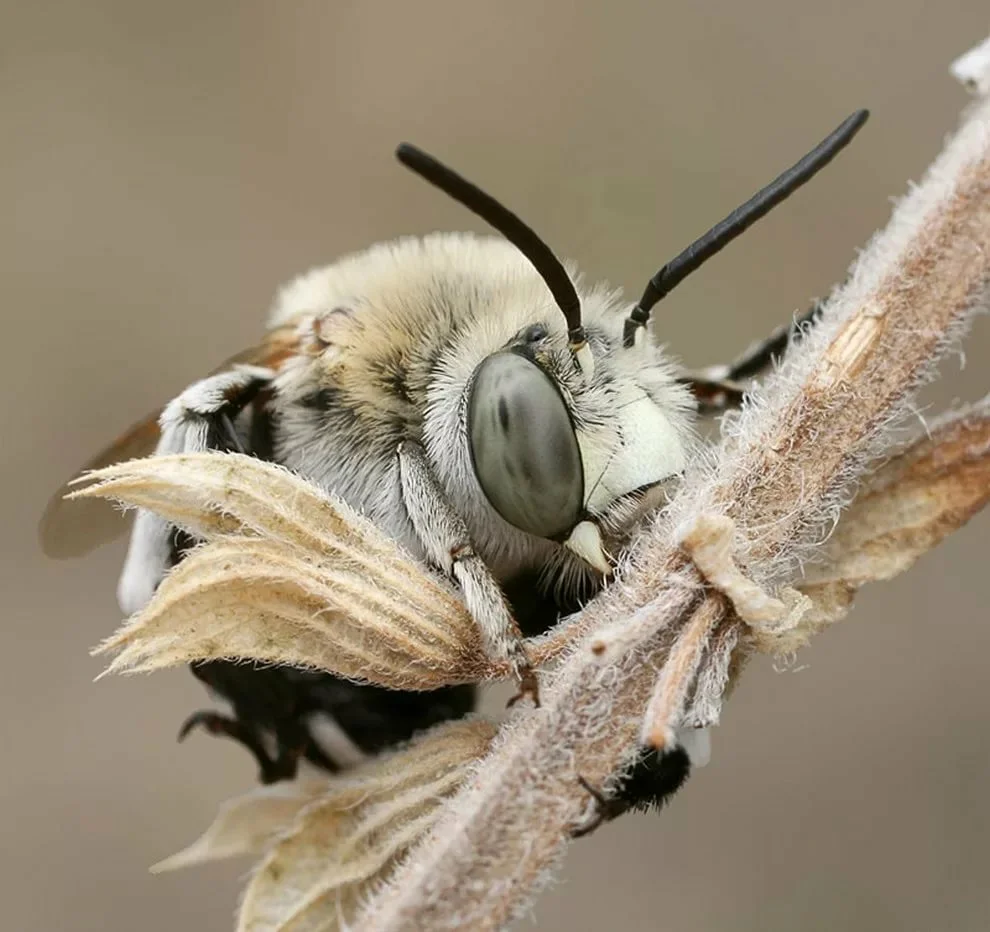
523	237
723	233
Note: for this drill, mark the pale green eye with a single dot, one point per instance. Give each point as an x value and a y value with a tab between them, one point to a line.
523	446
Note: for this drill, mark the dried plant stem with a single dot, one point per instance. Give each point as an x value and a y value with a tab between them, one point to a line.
679	672
785	467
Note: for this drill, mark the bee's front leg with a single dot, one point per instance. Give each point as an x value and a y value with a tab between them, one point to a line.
444	535
719	388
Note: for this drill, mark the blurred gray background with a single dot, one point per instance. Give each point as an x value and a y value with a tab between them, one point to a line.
164	167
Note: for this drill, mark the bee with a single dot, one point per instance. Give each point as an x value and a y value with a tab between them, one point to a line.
470	395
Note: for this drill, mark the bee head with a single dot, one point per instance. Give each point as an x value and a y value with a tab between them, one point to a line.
560	444
566	455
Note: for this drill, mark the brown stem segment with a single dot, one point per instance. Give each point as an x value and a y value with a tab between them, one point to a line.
785	466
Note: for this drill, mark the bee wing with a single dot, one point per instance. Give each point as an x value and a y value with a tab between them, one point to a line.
73	528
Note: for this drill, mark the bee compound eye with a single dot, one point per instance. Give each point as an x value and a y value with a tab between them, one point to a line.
523	446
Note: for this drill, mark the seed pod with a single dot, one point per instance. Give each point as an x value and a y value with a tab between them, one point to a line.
345	843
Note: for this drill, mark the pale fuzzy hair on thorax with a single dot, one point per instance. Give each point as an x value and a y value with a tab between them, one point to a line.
404	313
481	286
409	267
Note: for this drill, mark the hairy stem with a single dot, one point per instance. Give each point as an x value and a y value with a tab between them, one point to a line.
785	467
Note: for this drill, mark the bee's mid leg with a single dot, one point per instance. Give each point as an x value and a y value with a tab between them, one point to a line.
445	537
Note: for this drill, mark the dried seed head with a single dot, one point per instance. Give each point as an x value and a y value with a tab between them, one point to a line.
290	575
343	844
246	825
287	575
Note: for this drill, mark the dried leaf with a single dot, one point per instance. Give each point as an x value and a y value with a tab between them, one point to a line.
910	505
288	575
247	824
250	599
342	845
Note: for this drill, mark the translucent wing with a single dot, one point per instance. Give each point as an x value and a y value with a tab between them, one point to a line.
73	528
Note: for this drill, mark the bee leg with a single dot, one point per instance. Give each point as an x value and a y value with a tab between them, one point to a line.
271	769
267	716
318	757
719	388
713	395
654	777
292	740
201	418
444	535
605	810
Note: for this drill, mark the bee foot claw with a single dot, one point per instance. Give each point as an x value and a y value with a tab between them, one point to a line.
605	810
212	722
270	770
528	686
